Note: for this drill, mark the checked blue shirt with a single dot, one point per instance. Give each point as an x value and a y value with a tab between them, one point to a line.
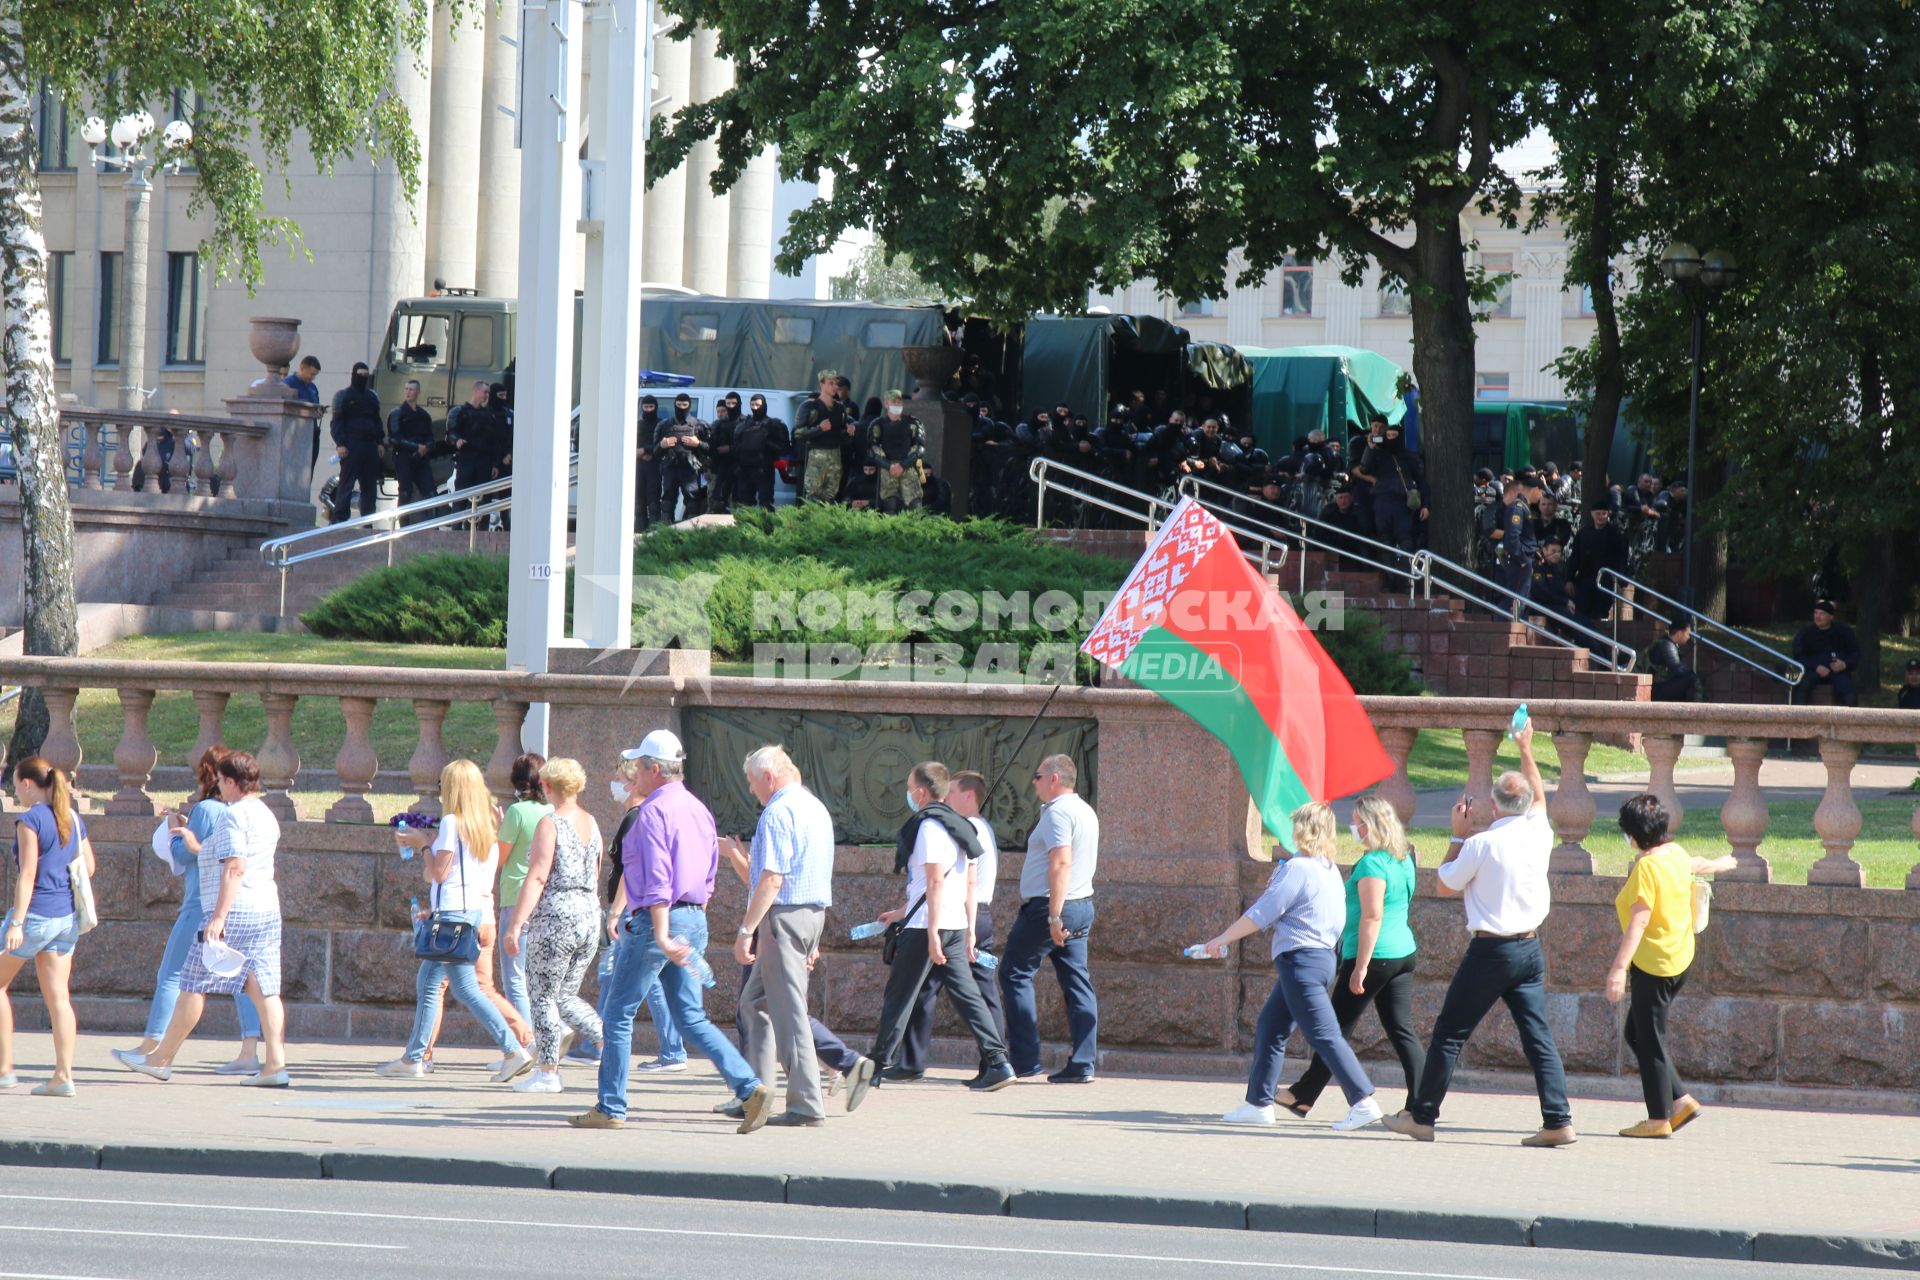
794	839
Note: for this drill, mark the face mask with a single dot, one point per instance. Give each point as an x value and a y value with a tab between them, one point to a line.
619	791
680	413
759	411
1353	829
359	382
913	806
650	413
894	410
1377	439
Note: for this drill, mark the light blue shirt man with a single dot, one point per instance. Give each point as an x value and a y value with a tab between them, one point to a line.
794	840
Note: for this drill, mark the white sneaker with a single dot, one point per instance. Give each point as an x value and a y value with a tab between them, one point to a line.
657	1066
239	1067
1364	1112
401	1069
539	1082
514	1064
1247	1113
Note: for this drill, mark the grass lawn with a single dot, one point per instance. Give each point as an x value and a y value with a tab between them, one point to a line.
1885	847
1439	759
318	728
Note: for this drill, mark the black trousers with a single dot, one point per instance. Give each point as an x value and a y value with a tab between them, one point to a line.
720	498
1389	988
1684	687
753	484
413	475
360	468
911	966
1649	998
917	1049
1842	682
646	495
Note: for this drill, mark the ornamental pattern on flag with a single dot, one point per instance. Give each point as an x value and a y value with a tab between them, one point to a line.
1141	602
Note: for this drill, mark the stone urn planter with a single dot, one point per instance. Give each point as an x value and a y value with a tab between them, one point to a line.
931	368
274	342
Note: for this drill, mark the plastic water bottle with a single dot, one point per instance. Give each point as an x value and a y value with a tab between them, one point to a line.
1198	951
989	961
1520	719
871	929
406	853
413	914
696	962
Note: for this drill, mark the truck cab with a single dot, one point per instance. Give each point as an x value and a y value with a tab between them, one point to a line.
446	342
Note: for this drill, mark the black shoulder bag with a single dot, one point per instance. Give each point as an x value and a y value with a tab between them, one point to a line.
447	940
890	940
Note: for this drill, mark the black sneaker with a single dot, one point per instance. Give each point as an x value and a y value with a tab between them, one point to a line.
901	1074
1069	1076
993	1079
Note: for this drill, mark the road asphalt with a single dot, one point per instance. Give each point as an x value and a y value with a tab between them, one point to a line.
1743	1182
80	1225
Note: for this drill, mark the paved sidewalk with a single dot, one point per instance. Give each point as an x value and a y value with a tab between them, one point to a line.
1830	1186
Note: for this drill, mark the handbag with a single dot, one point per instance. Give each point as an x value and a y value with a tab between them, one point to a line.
441	938
86	913
1413	490
890	940
1702	904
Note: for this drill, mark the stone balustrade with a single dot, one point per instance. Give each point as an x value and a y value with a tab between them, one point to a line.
225	458
594	715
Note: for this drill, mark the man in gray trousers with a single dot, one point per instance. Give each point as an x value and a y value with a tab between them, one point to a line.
789	888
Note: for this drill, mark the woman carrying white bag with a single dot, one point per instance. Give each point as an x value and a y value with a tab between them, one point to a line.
49	907
1659	914
178	841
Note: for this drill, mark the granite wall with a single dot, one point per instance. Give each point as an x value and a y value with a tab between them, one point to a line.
1795	987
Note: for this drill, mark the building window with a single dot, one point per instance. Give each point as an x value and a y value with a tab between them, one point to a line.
1198	309
1498	271
477	343
185	104
186	310
1395	301
1296	287
1490	386
792	331
60	289
700	328
56	131
107	348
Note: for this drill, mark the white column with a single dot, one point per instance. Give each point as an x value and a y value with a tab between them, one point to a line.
610	354
751	233
1542	281
497	212
543	394
709	217
663	254
396	236
1242	305
453	154
1342	304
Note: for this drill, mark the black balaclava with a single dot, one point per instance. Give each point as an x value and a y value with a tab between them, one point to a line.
649	408
681	405
759	407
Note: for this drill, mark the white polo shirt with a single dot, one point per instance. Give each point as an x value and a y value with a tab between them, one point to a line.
1501	875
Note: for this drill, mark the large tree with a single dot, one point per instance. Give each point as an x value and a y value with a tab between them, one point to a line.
270	75
1023	151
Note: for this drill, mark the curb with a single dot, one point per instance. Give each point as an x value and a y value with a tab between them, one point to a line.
1892	1253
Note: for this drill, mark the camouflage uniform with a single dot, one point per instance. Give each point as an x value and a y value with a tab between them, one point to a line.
898	442
818	433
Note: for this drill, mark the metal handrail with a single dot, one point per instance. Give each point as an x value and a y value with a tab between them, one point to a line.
1797	668
1420	570
1273	554
1425	561
1339	542
275	551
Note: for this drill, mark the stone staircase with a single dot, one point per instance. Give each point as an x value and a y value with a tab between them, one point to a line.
244	583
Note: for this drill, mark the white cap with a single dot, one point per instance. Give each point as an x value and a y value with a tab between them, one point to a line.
658	745
222	960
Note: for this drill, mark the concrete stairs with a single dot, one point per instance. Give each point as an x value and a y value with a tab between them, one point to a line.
246	584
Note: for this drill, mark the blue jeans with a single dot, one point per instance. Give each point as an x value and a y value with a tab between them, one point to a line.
1029	943
1512	970
666	1035
1299	999
639	966
513	970
465	986
166	980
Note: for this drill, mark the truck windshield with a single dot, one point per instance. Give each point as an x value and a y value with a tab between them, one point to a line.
421	340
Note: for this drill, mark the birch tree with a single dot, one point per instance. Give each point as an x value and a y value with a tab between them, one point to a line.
267	75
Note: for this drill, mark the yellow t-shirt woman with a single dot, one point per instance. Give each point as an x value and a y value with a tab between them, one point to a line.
1662	878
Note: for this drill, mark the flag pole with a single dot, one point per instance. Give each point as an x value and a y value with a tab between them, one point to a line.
1031	726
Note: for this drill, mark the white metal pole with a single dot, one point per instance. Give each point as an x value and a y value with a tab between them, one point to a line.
543	391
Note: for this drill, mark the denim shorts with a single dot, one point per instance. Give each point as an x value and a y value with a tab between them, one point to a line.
53	934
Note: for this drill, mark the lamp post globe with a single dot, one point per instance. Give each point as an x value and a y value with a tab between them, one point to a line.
126	132
1681	262
1719	270
177	137
94	131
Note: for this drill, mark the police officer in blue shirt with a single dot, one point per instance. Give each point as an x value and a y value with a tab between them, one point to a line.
1518	536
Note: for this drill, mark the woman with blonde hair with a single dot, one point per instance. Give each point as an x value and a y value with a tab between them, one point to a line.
41	923
191	828
459	875
1303	905
557	923
1376	949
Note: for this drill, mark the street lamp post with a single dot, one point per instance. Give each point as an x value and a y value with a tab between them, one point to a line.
1698	279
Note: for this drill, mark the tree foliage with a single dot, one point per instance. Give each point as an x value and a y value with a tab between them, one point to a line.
878	274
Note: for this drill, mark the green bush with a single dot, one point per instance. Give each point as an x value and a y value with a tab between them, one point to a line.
746	575
442	598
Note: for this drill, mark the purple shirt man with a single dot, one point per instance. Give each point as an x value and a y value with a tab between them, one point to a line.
670	855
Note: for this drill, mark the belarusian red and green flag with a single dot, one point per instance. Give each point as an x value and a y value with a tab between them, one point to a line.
1198	625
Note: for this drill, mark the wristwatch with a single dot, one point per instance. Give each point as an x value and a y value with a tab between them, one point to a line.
1056	920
